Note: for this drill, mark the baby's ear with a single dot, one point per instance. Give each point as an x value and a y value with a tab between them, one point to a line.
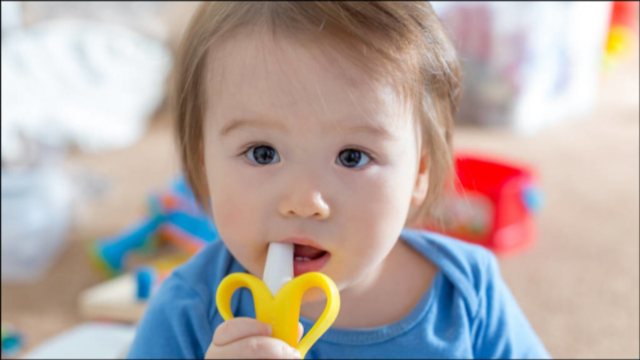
422	181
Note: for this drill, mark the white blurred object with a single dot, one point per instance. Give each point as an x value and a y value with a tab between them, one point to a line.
36	217
527	65
145	17
88	341
11	15
73	81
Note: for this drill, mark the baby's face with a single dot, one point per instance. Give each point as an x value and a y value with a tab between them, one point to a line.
301	149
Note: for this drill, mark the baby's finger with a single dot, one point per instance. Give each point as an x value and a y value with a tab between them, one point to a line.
239	328
300	331
259	347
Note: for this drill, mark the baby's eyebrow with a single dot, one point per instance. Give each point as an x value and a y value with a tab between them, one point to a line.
359	128
369	129
235	124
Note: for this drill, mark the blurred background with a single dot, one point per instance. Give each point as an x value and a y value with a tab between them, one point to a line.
95	213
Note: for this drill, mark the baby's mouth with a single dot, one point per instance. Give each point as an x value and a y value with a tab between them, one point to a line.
306	253
308	258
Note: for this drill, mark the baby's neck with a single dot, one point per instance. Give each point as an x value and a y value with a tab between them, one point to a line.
397	285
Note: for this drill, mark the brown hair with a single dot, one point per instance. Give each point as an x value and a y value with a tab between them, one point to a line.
402	40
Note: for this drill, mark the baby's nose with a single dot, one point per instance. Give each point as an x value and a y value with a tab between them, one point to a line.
304	203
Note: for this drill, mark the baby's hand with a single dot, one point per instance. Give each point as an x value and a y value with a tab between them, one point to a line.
248	338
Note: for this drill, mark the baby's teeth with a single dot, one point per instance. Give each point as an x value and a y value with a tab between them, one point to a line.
301	258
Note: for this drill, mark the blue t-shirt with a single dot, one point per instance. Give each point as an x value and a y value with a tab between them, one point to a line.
468	312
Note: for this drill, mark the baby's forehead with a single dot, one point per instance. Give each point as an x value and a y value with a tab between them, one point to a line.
253	72
256	56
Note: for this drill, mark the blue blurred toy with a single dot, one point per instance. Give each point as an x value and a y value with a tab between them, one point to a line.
12	341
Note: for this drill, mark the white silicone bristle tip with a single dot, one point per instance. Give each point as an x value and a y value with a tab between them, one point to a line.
279	267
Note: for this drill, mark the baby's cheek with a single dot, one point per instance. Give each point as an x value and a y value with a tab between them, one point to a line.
231	220
374	226
229	217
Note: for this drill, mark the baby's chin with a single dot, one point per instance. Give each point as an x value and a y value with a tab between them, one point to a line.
316	295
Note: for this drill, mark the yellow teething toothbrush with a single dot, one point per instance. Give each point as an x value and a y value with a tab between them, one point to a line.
277	298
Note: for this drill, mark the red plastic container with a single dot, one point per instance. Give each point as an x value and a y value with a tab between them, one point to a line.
492	204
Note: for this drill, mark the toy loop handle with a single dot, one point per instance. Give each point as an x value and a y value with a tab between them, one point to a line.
228	287
311	280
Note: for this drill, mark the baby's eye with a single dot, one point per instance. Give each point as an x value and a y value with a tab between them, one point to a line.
263	155
352	158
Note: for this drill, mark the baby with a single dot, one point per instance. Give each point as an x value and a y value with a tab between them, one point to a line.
327	125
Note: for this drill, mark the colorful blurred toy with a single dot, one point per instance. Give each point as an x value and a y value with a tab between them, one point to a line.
623	32
12	341
492	204
174	217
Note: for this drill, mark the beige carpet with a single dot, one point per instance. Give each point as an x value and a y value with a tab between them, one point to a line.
578	284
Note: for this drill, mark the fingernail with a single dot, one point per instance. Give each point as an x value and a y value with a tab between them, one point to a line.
296	354
269	329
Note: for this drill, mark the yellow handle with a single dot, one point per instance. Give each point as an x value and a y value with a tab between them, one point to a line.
283	311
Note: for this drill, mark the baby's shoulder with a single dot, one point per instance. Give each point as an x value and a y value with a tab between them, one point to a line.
469	267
